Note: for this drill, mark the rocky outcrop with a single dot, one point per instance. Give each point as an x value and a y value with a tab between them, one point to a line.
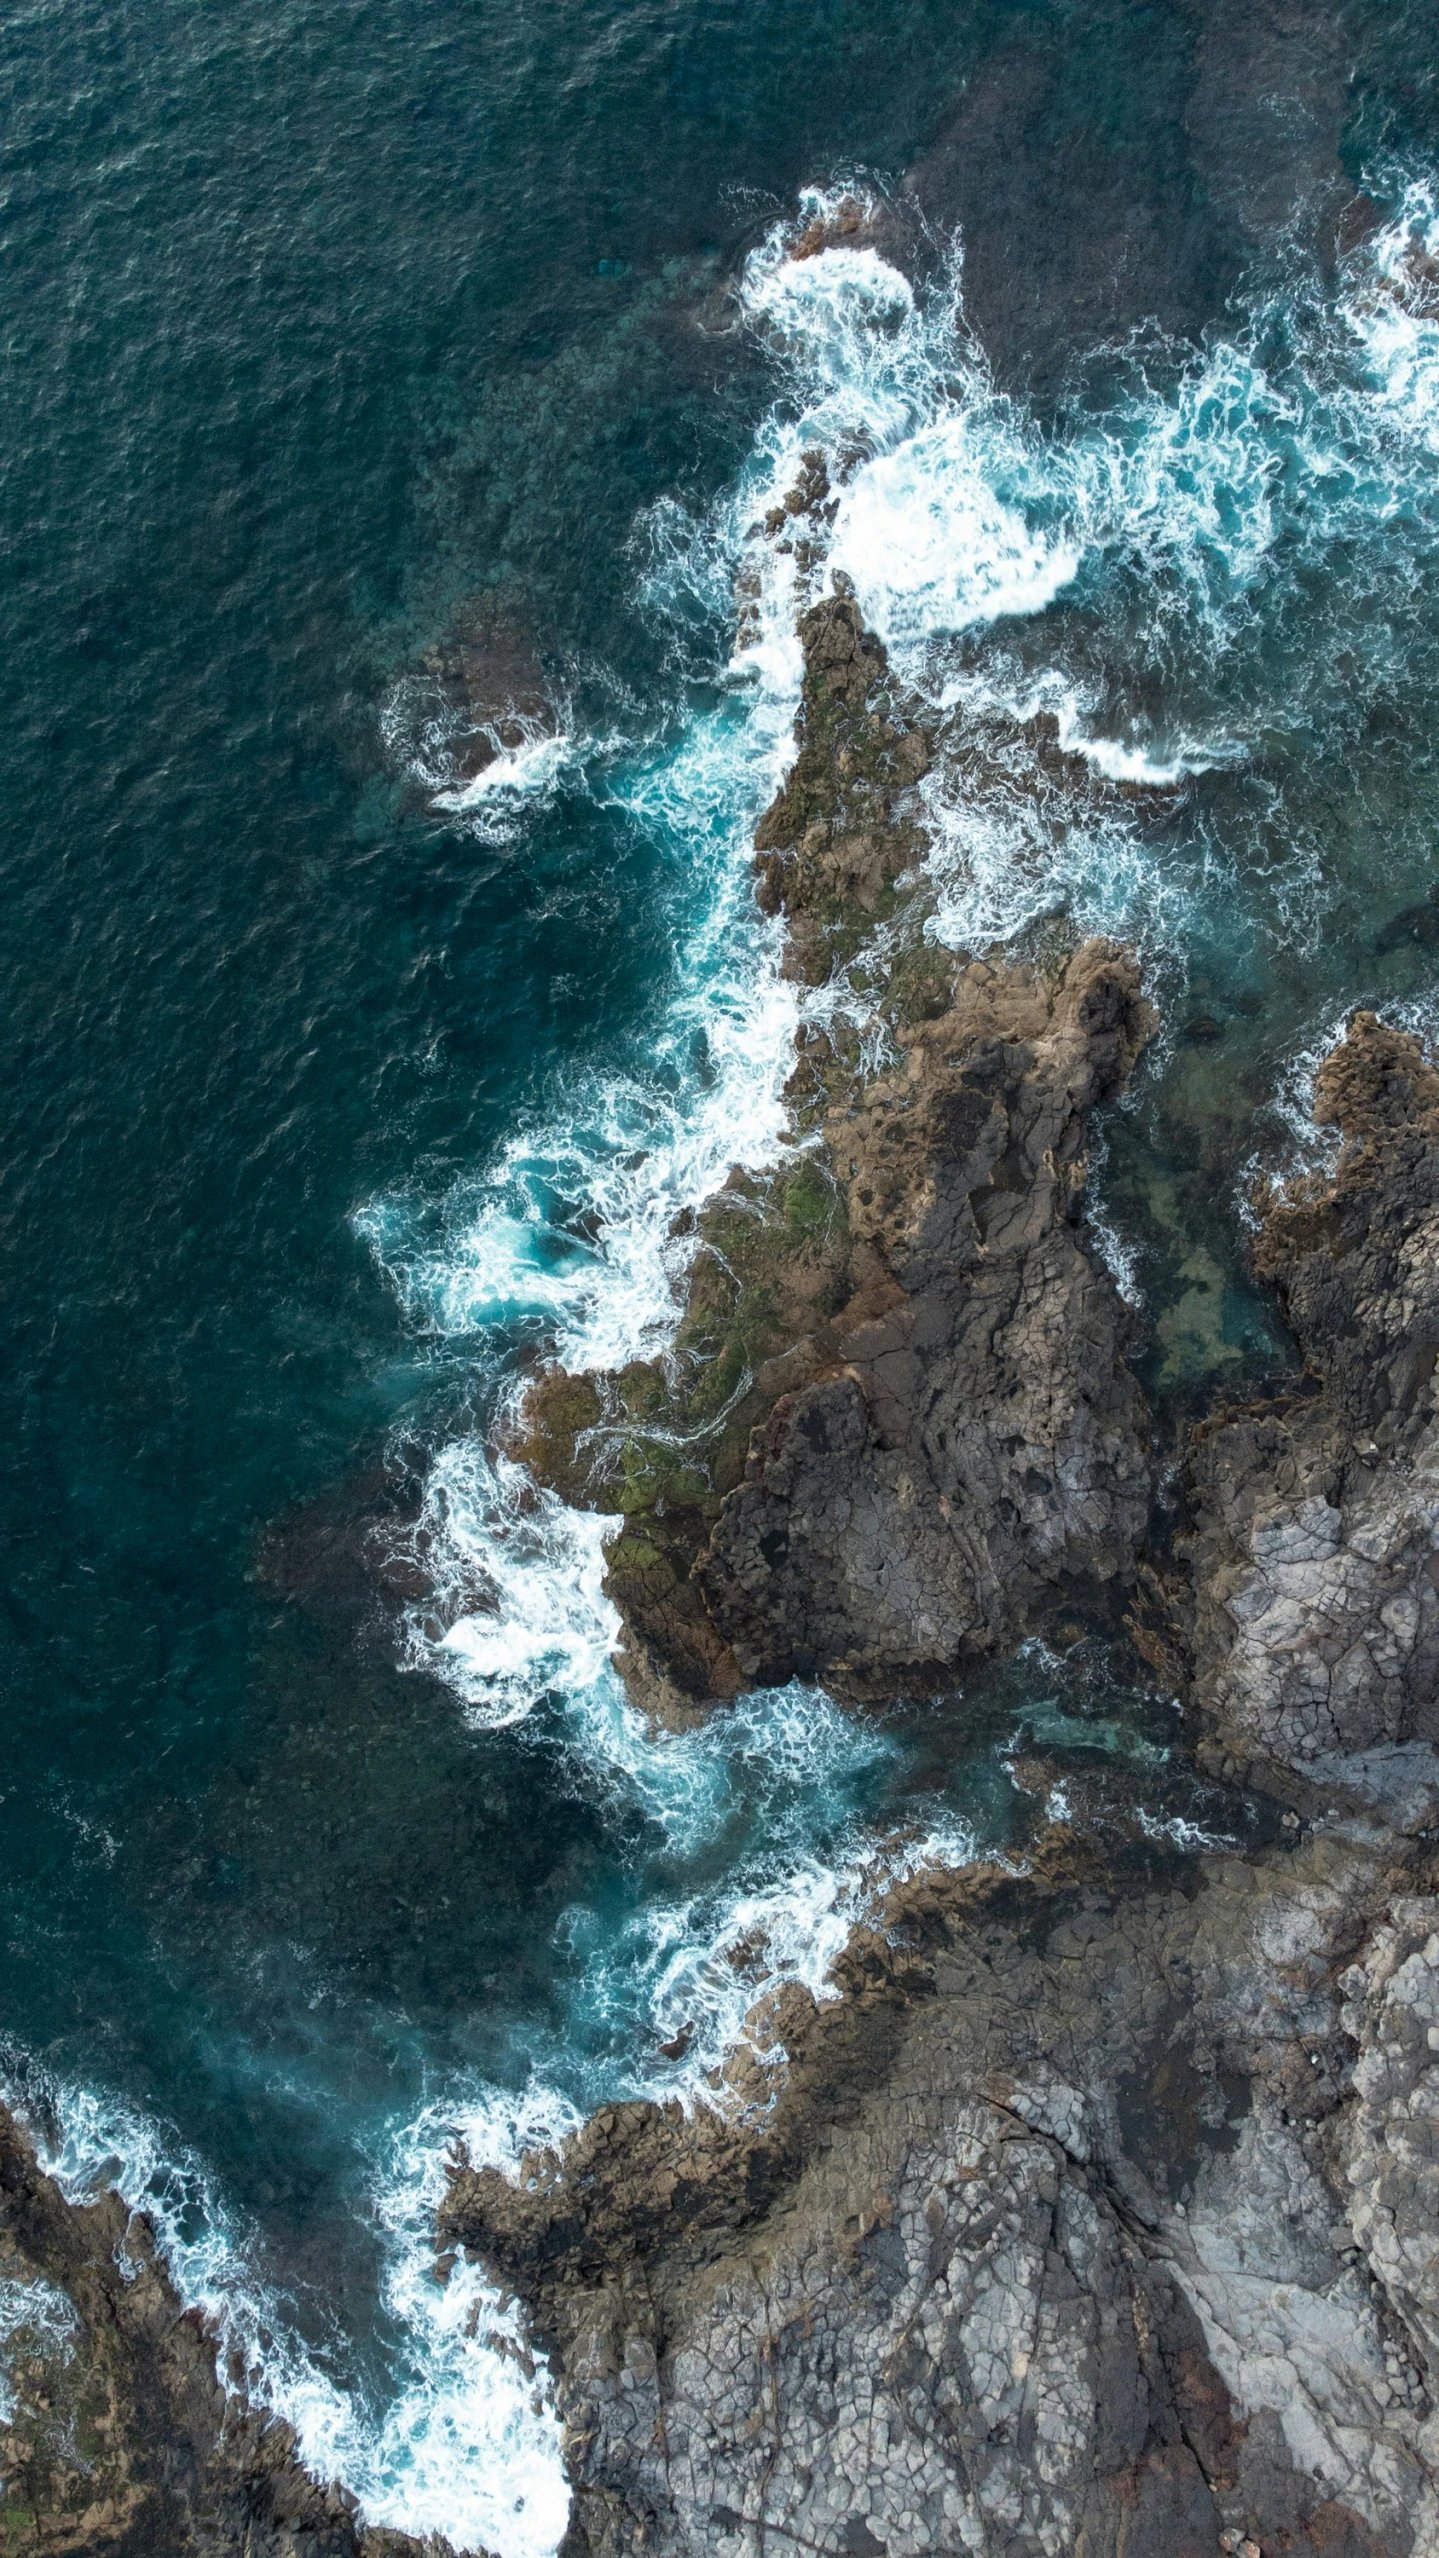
840	833
117	2437
967	1438
1097	2213
1096	2216
897	1424
1313	1558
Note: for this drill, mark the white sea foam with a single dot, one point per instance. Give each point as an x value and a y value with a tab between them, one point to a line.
1419	1015
1293	1142
789	1752
628	1153
37	2322
468	2443
1178	1832
513	776
1118	1255
528	765
1392	308
518	1607
527	754
958	519
1119	761
464	2442
932	545
709	1991
956	515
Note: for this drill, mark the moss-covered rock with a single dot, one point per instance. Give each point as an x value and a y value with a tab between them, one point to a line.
661	1442
835	842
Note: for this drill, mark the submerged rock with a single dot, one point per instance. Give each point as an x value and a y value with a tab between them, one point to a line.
477	697
1413	924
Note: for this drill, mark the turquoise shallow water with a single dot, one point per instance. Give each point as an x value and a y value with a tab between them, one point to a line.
319	1823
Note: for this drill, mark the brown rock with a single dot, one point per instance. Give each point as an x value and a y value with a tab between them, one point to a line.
897	1421
972	1439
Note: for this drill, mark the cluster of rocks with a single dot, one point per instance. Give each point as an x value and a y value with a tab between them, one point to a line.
1099	2212
1097	2215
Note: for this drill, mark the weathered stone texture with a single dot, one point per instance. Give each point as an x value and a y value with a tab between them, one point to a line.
1314	1552
1058	2239
971	1437
1099	2213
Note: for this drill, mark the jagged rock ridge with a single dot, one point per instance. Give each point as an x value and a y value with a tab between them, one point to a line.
1098	2214
897	1422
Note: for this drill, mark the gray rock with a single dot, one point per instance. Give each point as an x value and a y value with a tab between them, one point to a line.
1058	2238
973	1439
1314	1553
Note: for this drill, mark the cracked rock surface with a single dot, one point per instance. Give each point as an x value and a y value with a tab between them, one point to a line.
1095	2217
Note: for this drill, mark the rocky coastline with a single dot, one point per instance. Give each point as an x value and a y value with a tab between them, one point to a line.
1096	2216
122	2432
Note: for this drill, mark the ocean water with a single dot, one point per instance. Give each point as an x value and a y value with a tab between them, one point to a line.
351	1063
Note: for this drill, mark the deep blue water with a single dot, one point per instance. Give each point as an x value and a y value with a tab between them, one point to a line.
333	336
